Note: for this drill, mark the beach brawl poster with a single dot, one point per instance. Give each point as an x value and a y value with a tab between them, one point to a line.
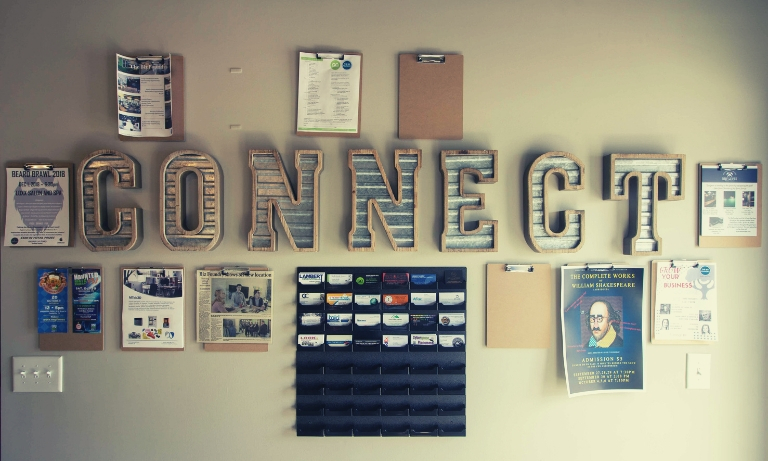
602	326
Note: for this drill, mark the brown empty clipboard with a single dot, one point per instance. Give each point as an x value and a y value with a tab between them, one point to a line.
177	105
729	241
71	341
431	96
519	305
221	347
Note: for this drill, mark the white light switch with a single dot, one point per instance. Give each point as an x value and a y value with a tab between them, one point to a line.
38	373
698	371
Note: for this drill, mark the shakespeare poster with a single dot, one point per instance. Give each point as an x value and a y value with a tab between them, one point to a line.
602	321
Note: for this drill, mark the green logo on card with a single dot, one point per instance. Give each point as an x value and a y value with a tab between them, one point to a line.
335	65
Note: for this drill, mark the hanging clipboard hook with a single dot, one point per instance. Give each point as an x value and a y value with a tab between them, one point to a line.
236	271
518	268
329	55
432	58
731	166
600	266
684	263
38	166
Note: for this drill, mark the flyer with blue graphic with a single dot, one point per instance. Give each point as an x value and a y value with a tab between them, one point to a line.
86	300
602	327
52	300
729	201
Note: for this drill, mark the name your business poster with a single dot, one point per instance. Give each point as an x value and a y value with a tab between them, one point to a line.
602	321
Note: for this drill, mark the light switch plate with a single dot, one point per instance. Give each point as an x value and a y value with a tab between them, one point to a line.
38	373
698	371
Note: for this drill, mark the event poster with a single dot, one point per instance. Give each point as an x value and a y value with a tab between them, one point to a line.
729	201
685	302
153	308
602	321
86	300
38	206
52	300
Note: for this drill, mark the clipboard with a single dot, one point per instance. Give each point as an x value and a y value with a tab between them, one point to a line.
71	189
331	57
519	305
714	241
431	96
222	347
71	341
177	105
673	263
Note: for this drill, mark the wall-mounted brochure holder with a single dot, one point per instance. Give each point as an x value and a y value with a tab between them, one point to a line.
730	204
381	351
81	327
177	104
519	305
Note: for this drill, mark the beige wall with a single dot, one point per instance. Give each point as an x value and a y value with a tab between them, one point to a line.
587	77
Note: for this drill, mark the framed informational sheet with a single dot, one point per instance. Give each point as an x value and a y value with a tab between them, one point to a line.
602	325
730	204
39	205
153	308
234	306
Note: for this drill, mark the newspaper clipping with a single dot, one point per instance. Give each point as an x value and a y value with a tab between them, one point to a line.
144	96
234	306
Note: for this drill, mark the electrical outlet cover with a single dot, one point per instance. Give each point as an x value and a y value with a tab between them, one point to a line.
698	371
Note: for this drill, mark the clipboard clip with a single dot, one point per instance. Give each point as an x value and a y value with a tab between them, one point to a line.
518	268
38	166
431	58
731	166
330	55
600	266
235	271
684	263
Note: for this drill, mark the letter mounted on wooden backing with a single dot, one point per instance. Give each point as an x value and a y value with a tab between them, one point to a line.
456	165
272	192
538	231
371	190
174	231
647	169
127	175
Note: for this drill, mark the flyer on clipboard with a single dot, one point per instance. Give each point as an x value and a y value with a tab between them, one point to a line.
329	94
